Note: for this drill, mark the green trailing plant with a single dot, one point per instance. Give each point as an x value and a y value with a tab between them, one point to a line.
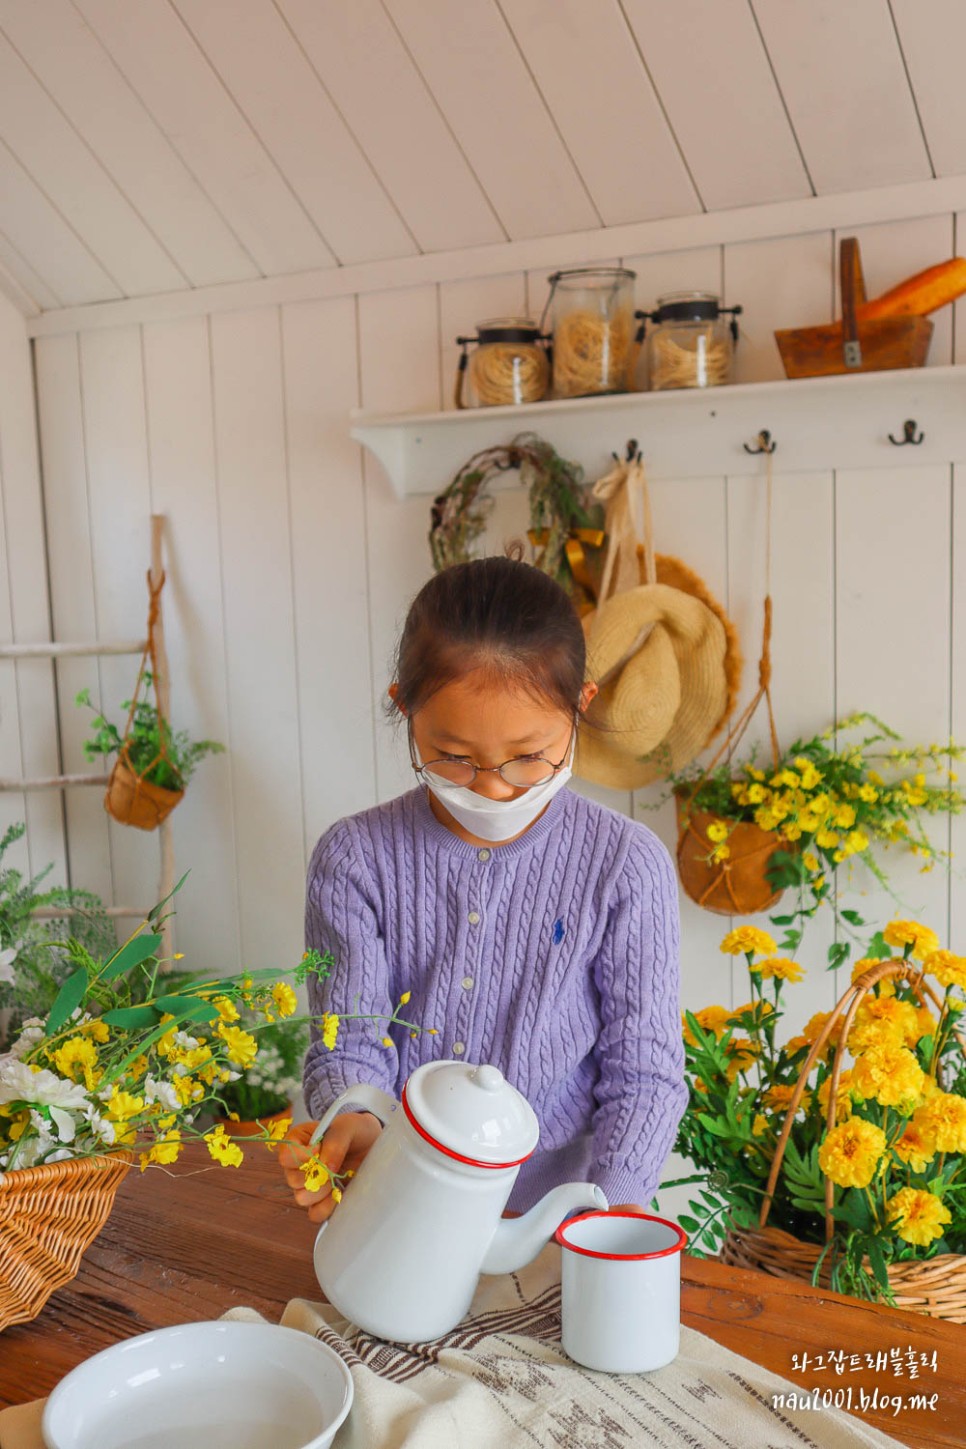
157	753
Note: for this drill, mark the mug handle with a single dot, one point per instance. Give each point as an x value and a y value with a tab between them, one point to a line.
369	1098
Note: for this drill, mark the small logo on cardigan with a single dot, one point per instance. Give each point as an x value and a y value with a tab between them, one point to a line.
558	931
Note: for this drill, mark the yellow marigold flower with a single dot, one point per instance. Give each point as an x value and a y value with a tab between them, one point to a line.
941	1119
890	1074
843	1096
748	941
910	933
914	1149
949	970
709	1018
76	1058
717	830
223	1148
760	1125
863	964
226	1008
795	1044
884	1020
756	794
123	1105
241	1046
284	998
758	1009
779	1098
315	1172
827	839
918	1216
329	1029
742	1054
779	968
851	1152
721	852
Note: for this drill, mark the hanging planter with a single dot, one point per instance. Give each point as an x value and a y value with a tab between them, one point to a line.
153	762
733	885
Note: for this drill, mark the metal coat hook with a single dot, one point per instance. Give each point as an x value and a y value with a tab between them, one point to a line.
633	452
908	434
765	443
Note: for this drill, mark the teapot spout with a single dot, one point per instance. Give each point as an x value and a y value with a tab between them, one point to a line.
517	1241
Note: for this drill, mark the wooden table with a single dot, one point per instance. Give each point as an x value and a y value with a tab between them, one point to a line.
193	1242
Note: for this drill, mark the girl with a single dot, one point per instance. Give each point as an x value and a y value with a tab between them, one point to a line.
536	930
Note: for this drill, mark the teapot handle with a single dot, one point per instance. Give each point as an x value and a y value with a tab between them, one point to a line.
370	1099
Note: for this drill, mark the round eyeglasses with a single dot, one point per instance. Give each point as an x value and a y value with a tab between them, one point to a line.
522	773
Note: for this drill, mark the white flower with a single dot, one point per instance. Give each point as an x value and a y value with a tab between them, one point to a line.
31	1033
99	1125
20	1083
163	1092
186	1042
7	958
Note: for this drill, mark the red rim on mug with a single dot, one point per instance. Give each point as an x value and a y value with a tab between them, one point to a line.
679	1246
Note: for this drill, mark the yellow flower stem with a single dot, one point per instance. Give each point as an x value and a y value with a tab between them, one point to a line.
937	1041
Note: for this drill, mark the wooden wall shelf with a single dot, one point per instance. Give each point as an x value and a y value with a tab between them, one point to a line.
818	424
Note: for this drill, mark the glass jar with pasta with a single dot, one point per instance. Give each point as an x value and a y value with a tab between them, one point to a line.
691	342
509	366
594	348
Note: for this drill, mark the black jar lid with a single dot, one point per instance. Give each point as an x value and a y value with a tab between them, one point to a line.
689	307
508	329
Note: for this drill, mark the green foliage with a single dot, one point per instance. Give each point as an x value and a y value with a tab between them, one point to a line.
171	770
34	959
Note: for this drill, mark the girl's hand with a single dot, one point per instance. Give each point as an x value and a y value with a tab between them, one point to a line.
342	1149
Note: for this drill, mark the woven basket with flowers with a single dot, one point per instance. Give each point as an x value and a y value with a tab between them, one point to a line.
838	1156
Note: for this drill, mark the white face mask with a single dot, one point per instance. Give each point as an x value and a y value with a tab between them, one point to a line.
498	820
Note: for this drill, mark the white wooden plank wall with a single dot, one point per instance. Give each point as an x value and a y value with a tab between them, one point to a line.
291	565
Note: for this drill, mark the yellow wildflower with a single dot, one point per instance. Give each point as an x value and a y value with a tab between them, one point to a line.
76	1058
721	852
284	998
278	1131
851	1152
760	1125
826	838
756	794
890	1074
910	933
123	1105
164	1150
336	1194
918	1216
97	1029
717	831
405	998
949	970
795	1044
709	1018
811	862
779	1098
868	793
779	968
748	941
223	1148
387	1041
856	841
241	1046
757	1009
315	1172
329	1029
226	1008
845	817
914	1149
188	1090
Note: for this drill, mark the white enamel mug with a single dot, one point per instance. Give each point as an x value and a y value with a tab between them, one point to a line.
621	1290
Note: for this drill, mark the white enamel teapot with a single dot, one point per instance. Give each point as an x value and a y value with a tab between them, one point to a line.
421	1219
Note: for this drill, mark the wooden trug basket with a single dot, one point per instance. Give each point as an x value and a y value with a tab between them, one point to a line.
852	345
936	1286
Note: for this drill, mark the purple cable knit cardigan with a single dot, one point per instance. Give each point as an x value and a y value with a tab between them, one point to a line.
554	957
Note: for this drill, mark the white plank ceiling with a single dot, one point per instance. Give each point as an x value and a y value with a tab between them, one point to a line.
173	144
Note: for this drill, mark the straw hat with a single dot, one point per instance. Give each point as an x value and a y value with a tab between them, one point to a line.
668	665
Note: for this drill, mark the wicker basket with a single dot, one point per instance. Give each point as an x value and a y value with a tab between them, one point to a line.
132	800
738	886
48	1216
936	1286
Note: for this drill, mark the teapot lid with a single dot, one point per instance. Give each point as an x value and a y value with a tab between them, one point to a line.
471	1113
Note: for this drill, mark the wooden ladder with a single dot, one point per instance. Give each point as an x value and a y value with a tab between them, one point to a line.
57	651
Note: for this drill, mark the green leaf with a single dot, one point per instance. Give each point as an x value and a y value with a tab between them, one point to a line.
877	947
190	1008
70	996
689	1224
130	1017
853	918
131	954
878	1261
838	954
153	912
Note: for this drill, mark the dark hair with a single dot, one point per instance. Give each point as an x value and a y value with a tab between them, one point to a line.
499	615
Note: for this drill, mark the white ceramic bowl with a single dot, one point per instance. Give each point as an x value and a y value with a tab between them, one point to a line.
203	1386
